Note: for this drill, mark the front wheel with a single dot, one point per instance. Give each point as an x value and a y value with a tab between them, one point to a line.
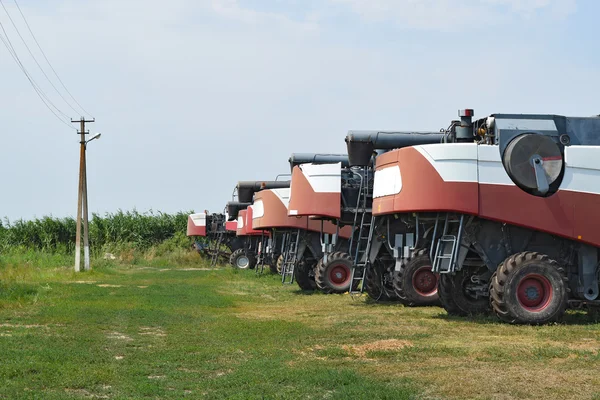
529	288
335	275
415	283
240	260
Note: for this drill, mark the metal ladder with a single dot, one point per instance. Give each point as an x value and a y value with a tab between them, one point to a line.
362	262
216	251
290	257
362	231
260	255
447	248
265	252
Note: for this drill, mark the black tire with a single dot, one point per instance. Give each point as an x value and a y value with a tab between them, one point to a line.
240	260
304	275
415	284
273	267
529	288
335	275
279	265
445	296
453	297
374	284
379	285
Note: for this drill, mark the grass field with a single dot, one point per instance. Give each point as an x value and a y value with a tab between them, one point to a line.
167	333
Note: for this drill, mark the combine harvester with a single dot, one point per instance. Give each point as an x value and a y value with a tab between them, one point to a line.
241	210
219	233
343	193
303	241
300	236
505	208
316	193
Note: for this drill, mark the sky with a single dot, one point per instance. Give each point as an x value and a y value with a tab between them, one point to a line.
192	96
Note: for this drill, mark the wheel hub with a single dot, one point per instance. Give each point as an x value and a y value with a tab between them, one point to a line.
339	274
243	262
424	281
534	292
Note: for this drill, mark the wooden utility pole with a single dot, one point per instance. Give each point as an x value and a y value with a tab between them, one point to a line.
82	202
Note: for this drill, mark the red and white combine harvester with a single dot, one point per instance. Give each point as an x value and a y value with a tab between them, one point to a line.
215	236
316	194
342	193
300	237
504	210
241	210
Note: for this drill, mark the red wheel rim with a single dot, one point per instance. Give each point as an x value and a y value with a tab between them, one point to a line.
424	281
534	292
339	274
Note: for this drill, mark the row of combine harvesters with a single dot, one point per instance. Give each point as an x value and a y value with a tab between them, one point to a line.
497	214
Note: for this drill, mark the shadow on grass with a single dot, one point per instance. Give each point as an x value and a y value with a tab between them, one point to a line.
573	317
300	292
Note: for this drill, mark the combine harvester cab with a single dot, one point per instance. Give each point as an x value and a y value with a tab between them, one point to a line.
506	210
316	193
241	211
219	242
371	251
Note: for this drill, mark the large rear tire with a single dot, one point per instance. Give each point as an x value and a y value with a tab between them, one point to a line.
335	275
240	260
455	297
529	288
304	275
415	284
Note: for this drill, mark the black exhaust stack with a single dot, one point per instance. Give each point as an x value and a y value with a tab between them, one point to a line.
316	158
234	208
246	189
362	144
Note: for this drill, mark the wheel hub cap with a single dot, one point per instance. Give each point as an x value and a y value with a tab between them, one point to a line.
243	262
534	292
425	281
339	274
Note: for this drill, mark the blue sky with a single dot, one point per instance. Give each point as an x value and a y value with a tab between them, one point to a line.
192	96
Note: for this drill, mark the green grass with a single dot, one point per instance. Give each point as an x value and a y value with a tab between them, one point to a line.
129	332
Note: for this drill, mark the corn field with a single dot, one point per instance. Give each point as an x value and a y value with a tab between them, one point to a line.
138	230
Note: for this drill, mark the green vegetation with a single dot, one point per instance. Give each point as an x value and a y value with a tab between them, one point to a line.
118	231
131	332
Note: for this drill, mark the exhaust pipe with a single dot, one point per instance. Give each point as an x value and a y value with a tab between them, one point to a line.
315	158
362	144
246	189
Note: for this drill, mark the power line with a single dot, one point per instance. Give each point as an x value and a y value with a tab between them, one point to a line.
47	102
48	61
34	59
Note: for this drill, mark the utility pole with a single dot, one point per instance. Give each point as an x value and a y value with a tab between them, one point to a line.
82	202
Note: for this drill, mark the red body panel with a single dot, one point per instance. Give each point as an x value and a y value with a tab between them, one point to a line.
231	226
244	231
193	230
422	187
276	217
276	213
304	201
569	214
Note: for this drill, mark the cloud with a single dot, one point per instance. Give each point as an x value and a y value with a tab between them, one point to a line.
455	14
231	9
